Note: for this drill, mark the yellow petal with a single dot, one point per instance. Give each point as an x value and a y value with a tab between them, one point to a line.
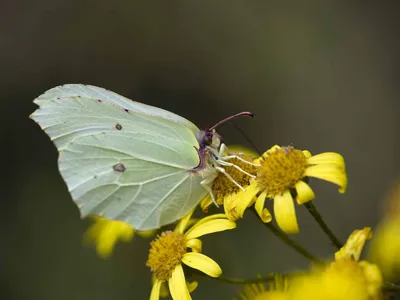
273	148
329	173
155	290
209	227
192	286
212	217
264	213
374	278
354	244
385	248
205	203
245	199
177	284
147	234
307	153
258	161
304	192
237	149
105	246
194	244
230	207
182	224
202	263
163	290
108	235
105	233
328	158
285	213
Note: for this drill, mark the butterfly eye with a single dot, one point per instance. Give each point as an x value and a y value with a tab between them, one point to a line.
204	138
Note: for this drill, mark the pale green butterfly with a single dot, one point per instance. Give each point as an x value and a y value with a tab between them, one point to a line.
128	161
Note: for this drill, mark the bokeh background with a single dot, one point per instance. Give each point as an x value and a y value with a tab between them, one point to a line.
320	75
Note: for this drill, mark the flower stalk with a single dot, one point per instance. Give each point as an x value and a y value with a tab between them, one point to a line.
318	218
288	241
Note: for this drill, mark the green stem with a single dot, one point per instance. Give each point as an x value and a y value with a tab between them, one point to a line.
317	216
244	280
288	241
391	287
259	279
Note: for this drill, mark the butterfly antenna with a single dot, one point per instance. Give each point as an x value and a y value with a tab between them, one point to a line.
247	138
243	113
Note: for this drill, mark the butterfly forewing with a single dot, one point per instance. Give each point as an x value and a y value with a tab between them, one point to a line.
94	92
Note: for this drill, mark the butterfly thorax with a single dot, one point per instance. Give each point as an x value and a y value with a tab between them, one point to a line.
210	143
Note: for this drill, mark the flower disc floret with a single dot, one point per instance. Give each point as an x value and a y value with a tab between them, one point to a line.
280	170
166	253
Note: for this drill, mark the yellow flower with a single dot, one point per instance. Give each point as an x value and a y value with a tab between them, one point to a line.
164	291
385	246
284	172
225	191
105	233
277	290
170	250
345	278
223	187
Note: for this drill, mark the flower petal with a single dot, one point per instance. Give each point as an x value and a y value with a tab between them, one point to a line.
105	233
246	198
211	217
194	244
307	153
209	227
354	245
285	213
230	207
192	285
202	263
237	149
329	173
304	192
177	284
147	234
205	203
327	158
258	160
374	278
155	290
264	213
182	224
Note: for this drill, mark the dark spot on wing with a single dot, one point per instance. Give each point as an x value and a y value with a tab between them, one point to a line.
118	126
79	96
127	110
119	168
95	176
98	100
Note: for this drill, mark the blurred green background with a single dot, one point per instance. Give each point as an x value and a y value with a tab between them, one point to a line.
320	75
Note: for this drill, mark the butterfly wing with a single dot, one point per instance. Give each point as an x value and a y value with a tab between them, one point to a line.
122	164
94	92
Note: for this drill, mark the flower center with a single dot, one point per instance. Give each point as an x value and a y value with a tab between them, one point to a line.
222	186
166	252
280	170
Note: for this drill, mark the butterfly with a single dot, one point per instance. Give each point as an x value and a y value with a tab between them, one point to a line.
129	161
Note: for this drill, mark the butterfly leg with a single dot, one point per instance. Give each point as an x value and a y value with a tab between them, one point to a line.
224	149
207	183
222	170
228	164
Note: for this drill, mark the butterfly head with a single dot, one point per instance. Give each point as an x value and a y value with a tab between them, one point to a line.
209	138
